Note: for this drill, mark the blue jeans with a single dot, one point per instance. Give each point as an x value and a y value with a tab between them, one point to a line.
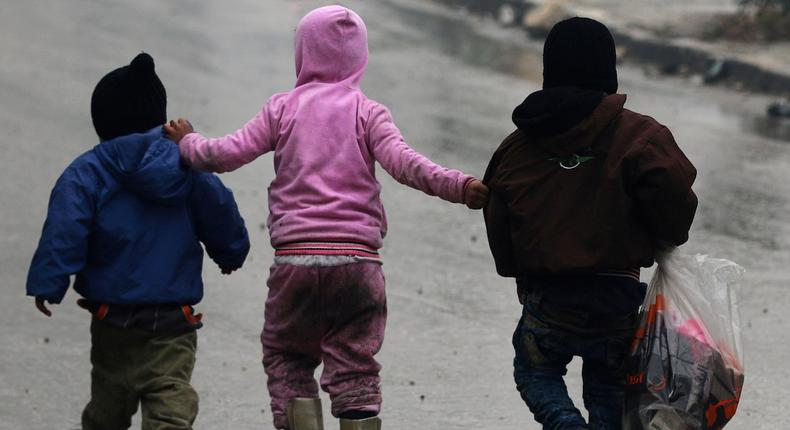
548	336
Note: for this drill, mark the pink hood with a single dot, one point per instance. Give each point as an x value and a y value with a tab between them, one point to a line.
331	46
326	136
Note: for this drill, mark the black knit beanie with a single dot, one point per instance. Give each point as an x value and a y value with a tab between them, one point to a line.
130	99
579	52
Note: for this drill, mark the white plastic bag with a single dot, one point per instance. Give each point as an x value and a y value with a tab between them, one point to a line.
685	365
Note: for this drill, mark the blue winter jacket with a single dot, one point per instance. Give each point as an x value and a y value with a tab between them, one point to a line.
126	218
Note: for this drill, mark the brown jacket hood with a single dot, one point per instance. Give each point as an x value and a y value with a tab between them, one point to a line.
564	121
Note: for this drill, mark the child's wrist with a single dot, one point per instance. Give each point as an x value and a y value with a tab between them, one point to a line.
184	137
466	187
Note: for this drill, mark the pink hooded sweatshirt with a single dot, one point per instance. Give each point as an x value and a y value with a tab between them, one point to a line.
326	135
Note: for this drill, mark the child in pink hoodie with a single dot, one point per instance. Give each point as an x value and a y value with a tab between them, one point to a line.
326	298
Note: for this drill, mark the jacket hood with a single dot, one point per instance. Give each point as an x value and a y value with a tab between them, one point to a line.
331	45
565	120
147	164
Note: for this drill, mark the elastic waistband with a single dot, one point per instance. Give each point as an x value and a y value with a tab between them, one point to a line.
610	292
327	248
627	273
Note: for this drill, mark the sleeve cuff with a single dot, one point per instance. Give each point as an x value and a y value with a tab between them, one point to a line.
467	182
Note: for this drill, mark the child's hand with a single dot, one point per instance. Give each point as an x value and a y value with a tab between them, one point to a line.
177	129
84	304
227	270
42	306
476	195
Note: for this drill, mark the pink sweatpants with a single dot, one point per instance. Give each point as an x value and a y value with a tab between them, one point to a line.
335	315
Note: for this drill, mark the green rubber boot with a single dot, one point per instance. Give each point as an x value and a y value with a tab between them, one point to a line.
305	414
372	423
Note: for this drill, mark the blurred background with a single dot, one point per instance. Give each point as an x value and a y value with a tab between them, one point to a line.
716	72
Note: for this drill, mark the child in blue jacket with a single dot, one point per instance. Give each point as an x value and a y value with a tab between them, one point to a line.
127	219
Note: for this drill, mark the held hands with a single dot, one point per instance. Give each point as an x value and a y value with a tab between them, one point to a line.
476	195
177	129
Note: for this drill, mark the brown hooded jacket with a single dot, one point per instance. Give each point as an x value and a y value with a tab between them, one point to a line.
601	195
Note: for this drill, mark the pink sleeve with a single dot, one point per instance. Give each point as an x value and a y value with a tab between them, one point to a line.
408	166
228	153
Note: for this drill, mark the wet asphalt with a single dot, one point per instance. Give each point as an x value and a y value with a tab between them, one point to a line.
451	82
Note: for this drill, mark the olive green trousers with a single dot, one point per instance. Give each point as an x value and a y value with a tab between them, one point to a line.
132	367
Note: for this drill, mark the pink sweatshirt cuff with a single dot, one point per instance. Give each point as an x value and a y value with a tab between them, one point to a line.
468	180
191	153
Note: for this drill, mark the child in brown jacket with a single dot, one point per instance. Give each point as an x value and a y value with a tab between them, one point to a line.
583	194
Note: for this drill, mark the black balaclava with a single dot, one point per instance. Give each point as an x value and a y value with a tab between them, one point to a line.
130	99
579	52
